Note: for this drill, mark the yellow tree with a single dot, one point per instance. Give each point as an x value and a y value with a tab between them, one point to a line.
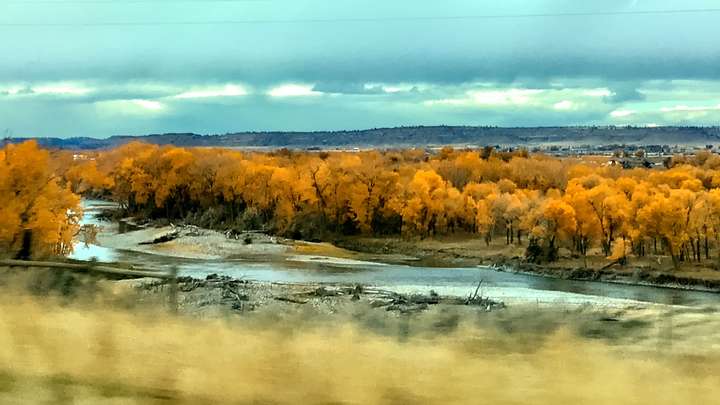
425	202
711	202
608	206
483	220
372	188
667	217
552	222
85	177
294	193
38	215
228	185
588	226
642	194
171	180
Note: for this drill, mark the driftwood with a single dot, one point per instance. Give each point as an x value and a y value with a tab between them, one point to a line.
377	297
607	266
229	292
166	237
404	303
174	233
475	298
475	295
288	299
333	291
239	301
416	302
188	284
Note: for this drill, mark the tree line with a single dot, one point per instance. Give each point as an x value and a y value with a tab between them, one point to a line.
540	202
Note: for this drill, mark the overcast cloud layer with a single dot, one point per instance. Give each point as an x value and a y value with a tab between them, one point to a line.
98	68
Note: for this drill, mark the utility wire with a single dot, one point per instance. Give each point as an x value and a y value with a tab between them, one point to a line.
361	19
123	2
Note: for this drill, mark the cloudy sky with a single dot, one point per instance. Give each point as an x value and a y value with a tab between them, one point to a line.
106	67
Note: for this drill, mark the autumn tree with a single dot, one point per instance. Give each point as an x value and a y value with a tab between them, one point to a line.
579	203
39	215
551	223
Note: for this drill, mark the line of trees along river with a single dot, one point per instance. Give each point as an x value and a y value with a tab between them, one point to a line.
540	202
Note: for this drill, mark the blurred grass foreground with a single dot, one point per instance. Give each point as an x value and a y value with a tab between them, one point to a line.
54	352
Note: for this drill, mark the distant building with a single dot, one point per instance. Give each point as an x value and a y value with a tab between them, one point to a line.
630	162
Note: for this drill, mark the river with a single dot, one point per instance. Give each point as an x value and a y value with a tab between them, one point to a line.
508	287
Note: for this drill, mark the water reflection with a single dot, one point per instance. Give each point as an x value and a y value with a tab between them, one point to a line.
81	251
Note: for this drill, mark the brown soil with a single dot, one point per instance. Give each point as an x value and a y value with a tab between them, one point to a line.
469	250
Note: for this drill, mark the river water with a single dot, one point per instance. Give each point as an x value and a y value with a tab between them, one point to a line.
508	287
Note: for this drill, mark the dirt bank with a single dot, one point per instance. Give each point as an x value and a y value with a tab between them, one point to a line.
470	251
633	275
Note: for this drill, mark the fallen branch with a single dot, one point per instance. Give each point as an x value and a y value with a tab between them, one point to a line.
292	300
404	302
474	296
231	293
166	237
607	266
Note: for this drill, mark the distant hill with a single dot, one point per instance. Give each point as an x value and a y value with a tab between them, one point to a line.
416	136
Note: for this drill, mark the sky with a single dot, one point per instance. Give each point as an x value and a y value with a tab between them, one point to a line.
108	67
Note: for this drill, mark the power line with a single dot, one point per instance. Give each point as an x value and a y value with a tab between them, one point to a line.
364	19
122	2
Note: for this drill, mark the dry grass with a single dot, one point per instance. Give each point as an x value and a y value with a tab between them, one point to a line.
72	353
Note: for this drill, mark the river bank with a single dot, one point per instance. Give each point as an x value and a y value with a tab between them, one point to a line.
629	275
463	251
203	244
653	271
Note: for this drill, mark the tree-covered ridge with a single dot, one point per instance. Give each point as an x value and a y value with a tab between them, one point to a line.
415	136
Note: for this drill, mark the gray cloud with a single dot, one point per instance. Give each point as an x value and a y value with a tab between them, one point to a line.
613	47
443	58
346	88
623	93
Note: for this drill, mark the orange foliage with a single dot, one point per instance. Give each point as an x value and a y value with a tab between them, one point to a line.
33	197
578	204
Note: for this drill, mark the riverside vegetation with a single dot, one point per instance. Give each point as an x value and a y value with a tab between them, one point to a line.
547	208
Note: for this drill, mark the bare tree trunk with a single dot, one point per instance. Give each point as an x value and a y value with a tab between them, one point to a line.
676	264
692	248
707	248
697	249
25	252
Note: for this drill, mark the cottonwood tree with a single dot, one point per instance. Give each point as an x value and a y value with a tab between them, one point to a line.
39	215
